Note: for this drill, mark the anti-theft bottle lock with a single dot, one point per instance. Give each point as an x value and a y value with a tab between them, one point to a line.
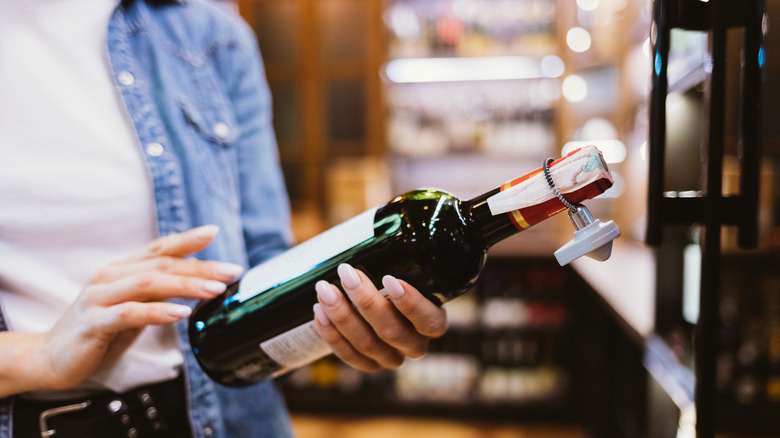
591	237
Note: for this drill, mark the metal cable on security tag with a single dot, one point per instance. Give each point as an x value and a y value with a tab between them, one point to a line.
551	183
591	237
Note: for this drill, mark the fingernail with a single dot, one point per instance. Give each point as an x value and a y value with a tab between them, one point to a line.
179	311
206	231
348	276
320	315
393	286
212	286
229	270
326	293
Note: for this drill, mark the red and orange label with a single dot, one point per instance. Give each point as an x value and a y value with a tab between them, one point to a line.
532	215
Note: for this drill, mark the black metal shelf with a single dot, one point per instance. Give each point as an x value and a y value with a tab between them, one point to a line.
709	208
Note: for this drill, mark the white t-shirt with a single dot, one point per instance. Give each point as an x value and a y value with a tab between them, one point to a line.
75	191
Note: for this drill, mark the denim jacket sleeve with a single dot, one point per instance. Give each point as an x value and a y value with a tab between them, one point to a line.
265	209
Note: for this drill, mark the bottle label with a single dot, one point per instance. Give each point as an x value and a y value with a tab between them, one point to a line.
296	347
306	256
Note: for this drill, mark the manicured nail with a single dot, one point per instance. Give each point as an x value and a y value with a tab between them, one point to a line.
206	232
320	315
326	293
212	286
178	311
393	286
229	270
349	276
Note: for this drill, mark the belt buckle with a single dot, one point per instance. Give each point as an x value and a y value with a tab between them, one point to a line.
45	415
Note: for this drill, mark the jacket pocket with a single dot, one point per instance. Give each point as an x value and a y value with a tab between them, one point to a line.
215	132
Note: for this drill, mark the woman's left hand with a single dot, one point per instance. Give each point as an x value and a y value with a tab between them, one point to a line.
376	329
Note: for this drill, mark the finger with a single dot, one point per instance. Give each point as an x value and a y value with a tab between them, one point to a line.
180	244
429	319
353	328
133	315
390	325
340	346
172	265
152	286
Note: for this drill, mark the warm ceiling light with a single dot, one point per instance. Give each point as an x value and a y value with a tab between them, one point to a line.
462	69
578	39
574	89
588	5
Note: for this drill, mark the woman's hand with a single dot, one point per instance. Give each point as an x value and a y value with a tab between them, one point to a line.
120	300
376	329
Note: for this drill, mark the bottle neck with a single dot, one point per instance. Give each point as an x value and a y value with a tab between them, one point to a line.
492	229
593	177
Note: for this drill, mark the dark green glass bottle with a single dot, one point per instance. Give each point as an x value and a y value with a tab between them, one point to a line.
428	238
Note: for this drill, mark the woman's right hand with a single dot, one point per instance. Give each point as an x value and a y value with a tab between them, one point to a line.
120	300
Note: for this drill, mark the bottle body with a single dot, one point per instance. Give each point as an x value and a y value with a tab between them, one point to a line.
423	237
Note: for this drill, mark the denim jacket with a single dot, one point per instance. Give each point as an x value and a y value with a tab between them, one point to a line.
193	84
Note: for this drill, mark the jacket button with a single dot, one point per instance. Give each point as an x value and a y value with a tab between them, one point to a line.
221	130
208	431
126	78
155	149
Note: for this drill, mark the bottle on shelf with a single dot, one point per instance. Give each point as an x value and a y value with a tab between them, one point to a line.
485	117
262	326
470	28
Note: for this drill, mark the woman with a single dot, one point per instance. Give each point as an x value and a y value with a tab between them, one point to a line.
147	125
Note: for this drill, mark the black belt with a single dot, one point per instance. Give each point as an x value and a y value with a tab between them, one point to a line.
154	411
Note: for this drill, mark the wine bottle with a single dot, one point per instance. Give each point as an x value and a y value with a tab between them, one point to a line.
262	325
